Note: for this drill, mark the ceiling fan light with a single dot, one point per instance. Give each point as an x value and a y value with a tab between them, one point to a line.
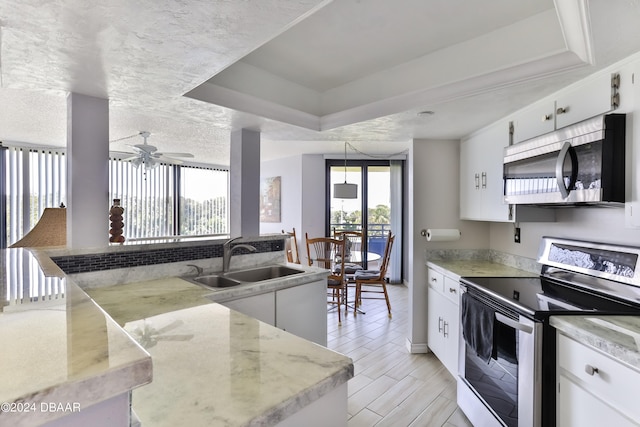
345	191
136	162
150	163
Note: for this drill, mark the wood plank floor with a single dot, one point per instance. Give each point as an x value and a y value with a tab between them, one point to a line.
392	387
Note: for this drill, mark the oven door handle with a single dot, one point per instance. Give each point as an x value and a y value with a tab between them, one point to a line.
513	323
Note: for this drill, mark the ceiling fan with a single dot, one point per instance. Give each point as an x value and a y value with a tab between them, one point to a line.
149	156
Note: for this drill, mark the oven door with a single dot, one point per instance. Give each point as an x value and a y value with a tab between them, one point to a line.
506	391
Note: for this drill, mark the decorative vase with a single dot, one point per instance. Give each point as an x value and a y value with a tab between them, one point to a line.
115	216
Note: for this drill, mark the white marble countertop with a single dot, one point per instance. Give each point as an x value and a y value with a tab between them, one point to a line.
617	336
478	268
61	349
215	366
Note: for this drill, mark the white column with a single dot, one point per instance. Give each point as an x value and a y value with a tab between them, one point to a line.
87	171
244	177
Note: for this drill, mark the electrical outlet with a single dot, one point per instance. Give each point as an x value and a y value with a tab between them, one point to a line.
516	235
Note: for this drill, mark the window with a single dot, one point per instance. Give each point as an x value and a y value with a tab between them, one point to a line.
34	180
167	200
203	201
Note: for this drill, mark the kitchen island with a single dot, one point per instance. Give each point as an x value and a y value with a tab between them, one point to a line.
216	366
211	365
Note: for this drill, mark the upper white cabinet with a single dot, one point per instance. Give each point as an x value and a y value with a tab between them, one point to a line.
596	95
481	194
481	180
534	121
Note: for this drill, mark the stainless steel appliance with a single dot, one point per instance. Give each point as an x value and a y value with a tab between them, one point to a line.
507	347
580	164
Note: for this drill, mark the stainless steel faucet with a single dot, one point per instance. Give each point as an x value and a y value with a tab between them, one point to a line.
228	251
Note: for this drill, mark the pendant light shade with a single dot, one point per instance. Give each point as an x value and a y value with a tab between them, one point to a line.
345	190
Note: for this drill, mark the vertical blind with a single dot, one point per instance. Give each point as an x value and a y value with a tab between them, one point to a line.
35	179
146	196
165	201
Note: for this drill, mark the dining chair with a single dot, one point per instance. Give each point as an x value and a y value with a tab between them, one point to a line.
328	253
353	251
354	260
291	247
374	281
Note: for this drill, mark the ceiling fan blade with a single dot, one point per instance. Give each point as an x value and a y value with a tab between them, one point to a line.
175	154
169	159
144	148
126	159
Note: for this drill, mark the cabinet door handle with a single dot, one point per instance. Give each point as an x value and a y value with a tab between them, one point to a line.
484	180
433	279
590	370
547	117
446	329
562	110
440	322
477	181
452	290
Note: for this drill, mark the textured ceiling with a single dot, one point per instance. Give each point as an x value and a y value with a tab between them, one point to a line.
144	56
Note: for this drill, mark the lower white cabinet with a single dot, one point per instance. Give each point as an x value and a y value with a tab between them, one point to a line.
594	389
300	310
261	307
443	318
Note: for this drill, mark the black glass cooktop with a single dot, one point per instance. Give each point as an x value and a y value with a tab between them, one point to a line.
541	297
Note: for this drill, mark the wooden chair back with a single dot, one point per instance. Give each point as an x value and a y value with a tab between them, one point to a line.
328	253
354	239
291	247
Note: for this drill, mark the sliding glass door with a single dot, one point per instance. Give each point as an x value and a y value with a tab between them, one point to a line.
371	210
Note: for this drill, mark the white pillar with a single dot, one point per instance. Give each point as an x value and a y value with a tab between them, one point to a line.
244	177
87	171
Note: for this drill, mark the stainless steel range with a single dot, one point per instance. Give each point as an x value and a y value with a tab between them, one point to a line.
507	347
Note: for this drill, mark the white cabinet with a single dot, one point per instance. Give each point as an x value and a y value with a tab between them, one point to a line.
298	311
261	307
443	318
533	121
481	180
594	389
481	193
593	96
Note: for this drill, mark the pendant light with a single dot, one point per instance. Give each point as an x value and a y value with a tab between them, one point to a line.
345	191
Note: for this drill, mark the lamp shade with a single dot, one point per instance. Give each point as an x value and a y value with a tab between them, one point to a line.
345	191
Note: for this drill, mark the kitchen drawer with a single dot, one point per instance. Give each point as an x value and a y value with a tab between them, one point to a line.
435	280
452	289
614	383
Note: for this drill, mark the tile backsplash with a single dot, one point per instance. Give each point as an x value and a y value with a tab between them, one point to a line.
82	263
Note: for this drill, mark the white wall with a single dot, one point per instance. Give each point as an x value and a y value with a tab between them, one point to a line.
302	198
434	200
290	171
583	223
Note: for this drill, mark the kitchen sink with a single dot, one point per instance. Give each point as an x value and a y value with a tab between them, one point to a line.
216	281
239	277
263	273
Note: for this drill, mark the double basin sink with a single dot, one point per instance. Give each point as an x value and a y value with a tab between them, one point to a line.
235	278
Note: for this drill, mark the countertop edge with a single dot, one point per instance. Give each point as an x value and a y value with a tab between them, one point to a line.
584	331
296	403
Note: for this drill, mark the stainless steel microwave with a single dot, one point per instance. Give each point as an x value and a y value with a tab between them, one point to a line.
580	164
